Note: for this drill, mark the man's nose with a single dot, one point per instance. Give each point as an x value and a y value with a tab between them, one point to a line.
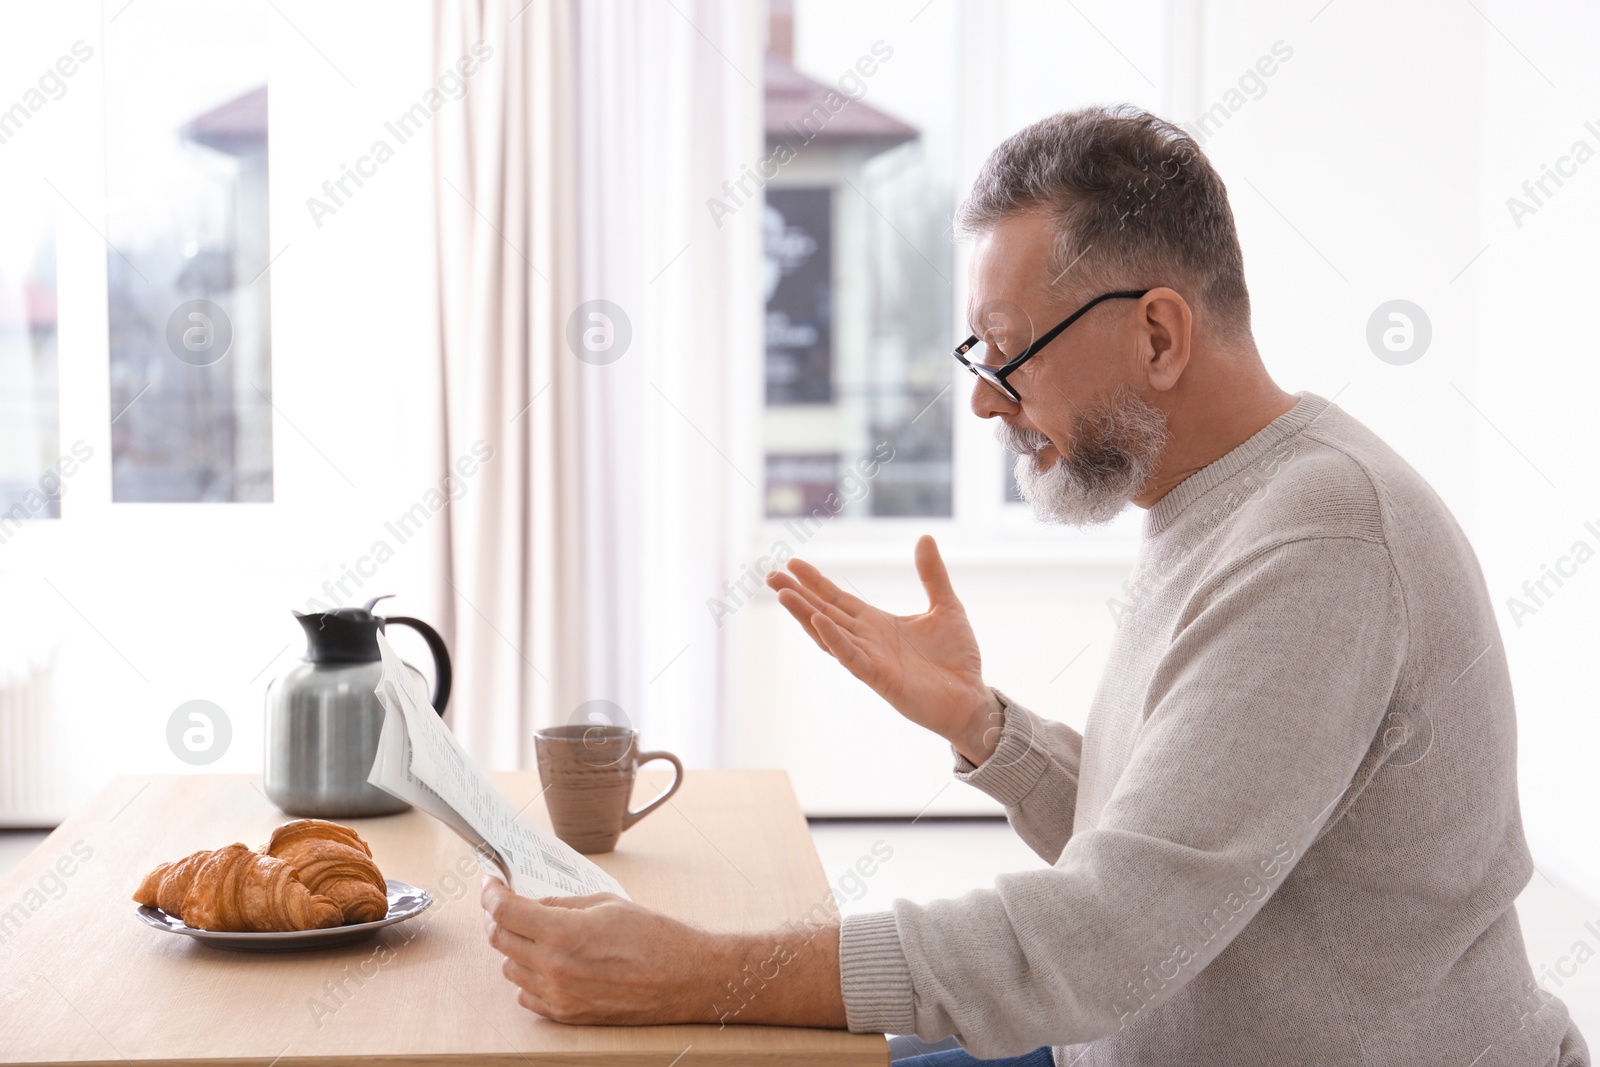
987	401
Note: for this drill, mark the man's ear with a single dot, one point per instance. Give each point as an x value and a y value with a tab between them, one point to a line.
1164	337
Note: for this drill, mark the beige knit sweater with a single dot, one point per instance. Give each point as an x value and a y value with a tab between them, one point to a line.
1289	833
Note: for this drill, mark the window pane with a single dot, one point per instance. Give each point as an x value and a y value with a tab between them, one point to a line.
858	261
799	259
30	482
186	180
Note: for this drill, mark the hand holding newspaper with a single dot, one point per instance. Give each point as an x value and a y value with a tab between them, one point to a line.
420	761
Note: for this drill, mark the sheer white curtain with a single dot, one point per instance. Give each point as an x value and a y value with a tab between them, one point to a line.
505	178
669	108
625	478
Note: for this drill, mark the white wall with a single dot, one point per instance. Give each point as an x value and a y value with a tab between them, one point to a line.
1537	380
1390	142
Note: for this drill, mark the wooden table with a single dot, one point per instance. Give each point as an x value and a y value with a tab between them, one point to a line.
83	981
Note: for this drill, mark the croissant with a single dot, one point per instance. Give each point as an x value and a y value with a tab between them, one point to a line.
235	889
334	862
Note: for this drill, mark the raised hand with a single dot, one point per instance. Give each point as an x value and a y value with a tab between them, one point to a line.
926	666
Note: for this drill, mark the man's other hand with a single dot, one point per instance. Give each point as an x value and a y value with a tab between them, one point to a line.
926	666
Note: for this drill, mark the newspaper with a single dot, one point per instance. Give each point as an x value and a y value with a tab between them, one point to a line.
420	761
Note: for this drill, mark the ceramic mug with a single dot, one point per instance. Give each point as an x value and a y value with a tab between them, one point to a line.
587	773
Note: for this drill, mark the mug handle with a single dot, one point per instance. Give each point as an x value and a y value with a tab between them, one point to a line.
645	757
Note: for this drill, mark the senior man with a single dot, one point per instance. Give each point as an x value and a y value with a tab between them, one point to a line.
1289	833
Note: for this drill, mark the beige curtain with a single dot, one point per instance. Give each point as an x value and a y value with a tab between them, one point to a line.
623	491
504	170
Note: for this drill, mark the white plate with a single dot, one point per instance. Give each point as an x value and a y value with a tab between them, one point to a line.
405	900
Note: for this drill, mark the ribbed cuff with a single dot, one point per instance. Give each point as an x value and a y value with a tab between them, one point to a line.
1015	765
874	976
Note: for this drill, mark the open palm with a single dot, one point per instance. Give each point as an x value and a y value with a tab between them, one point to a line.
926	666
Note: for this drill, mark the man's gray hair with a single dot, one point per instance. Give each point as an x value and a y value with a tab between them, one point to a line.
1136	205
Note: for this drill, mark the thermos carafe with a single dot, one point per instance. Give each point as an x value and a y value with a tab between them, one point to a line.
323	716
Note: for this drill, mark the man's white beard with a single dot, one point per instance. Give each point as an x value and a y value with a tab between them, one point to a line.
1115	448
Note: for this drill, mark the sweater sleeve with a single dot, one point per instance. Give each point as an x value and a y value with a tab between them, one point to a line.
1267	700
1033	771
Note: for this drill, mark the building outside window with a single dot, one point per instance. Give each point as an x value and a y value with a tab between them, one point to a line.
187	226
858	296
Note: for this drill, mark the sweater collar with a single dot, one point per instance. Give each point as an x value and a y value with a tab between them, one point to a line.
1161	515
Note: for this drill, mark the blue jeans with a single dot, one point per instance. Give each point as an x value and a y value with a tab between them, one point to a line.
910	1052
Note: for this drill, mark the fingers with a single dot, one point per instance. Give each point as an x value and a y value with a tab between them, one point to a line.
531	990
535	1004
781	580
842	646
812	580
490	896
830	636
531	965
801	609
588	900
804	605
819	605
526	978
534	920
512	945
931	569
778	581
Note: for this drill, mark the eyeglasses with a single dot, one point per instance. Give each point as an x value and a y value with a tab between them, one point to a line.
996	376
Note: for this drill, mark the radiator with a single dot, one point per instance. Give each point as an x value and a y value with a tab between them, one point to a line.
33	790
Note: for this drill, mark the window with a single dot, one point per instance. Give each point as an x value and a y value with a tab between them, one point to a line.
877	118
186	183
858	285
137	130
30	485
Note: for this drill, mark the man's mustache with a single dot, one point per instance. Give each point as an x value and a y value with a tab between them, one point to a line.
1017	440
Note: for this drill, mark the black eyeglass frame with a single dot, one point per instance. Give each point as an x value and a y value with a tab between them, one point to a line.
996	376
